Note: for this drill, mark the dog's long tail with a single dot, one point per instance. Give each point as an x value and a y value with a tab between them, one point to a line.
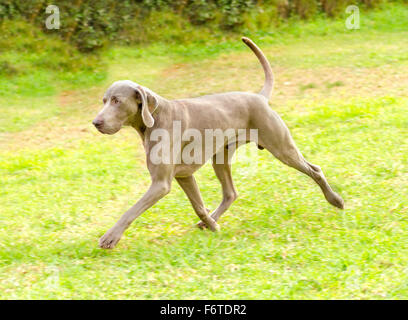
268	85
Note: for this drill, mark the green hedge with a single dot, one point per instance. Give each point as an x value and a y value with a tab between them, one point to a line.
92	24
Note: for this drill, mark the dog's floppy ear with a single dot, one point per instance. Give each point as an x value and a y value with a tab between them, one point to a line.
149	102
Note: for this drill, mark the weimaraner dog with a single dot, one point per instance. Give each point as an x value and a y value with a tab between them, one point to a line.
127	103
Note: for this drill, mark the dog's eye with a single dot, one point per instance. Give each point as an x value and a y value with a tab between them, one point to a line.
115	100
104	100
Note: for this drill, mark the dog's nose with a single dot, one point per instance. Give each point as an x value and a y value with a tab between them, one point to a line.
97	123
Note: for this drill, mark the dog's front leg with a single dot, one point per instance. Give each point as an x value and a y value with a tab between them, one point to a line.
189	185
157	190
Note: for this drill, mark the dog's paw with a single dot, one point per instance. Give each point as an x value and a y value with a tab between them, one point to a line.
215	227
109	240
336	200
201	225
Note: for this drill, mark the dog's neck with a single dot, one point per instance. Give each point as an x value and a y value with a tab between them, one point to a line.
161	103
137	122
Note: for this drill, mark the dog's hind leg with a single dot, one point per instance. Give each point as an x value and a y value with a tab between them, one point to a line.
189	185
276	138
229	193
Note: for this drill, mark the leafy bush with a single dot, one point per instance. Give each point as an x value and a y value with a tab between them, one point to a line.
91	24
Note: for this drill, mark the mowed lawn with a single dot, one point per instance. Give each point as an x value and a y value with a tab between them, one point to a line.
344	98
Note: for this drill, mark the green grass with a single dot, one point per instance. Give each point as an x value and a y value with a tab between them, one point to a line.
342	94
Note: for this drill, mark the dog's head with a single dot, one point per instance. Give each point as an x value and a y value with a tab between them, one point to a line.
124	103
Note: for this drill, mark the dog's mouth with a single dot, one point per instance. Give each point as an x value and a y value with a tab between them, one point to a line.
107	130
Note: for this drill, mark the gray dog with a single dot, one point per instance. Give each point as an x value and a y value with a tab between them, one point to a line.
127	103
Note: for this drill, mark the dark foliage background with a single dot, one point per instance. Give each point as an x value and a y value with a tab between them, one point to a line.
91	24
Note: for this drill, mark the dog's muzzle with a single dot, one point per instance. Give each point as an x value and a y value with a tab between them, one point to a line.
98	123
